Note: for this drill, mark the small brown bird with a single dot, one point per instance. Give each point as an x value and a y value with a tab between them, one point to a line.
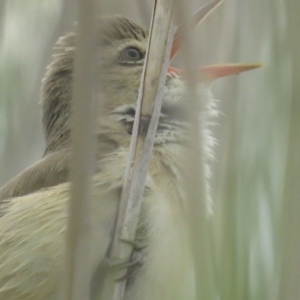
32	228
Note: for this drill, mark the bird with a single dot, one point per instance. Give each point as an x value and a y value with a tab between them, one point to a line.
33	221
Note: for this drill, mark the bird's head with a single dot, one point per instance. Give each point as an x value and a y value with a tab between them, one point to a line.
119	62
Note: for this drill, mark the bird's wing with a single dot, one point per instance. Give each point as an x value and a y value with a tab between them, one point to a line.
49	171
32	239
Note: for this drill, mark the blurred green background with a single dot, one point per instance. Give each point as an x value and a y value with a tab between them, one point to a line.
256	175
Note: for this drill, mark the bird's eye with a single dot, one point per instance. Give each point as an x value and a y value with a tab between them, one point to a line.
131	54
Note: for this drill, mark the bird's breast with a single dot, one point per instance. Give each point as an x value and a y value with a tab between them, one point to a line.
167	271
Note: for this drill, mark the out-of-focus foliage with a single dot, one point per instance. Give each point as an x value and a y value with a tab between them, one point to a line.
26	30
249	179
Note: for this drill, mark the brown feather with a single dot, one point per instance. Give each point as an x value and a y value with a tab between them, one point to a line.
53	169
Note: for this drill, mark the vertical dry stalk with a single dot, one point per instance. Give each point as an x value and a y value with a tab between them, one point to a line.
290	221
149	104
78	266
225	220
196	185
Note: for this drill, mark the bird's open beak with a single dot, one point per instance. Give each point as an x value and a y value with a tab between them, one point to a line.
210	72
197	18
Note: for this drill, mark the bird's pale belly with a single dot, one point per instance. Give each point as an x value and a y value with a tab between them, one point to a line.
167	271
